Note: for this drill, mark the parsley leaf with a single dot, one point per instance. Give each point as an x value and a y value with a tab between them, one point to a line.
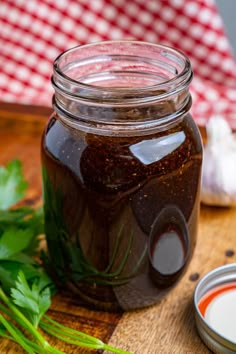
23	236
13	241
12	184
9	271
14	216
34	301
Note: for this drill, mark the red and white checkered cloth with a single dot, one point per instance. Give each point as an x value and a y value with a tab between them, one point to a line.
33	33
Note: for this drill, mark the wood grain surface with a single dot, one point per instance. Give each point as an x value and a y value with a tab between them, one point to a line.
167	327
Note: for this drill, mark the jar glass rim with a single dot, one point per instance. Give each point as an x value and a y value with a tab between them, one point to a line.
179	79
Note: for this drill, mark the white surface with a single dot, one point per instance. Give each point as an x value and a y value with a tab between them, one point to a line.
221	314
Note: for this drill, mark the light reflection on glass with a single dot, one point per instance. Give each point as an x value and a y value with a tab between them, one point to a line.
149	151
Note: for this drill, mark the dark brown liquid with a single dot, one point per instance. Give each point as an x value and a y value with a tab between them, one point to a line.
104	202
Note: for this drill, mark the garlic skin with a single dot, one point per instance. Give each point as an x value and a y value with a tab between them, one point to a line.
219	164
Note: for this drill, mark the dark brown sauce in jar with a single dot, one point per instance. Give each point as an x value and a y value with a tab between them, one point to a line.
121	175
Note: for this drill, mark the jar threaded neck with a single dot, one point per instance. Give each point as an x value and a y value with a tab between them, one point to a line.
137	82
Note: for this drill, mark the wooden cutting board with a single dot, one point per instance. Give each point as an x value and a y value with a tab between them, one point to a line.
167	327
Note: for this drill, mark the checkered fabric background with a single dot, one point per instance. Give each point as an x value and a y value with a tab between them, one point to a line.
34	32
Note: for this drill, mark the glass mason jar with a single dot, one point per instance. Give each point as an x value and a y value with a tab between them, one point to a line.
121	161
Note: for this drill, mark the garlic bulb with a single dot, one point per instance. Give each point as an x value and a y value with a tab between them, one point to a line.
219	165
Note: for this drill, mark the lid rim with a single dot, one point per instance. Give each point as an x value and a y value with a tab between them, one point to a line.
222	275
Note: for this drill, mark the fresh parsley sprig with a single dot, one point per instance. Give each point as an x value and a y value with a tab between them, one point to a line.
12	184
26	288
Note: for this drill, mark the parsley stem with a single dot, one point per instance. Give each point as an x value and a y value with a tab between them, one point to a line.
67	338
4	335
49	328
15	335
57	333
78	333
27	325
24	320
19	322
36	347
73	336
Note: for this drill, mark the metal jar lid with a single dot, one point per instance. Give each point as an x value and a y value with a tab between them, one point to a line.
219	278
